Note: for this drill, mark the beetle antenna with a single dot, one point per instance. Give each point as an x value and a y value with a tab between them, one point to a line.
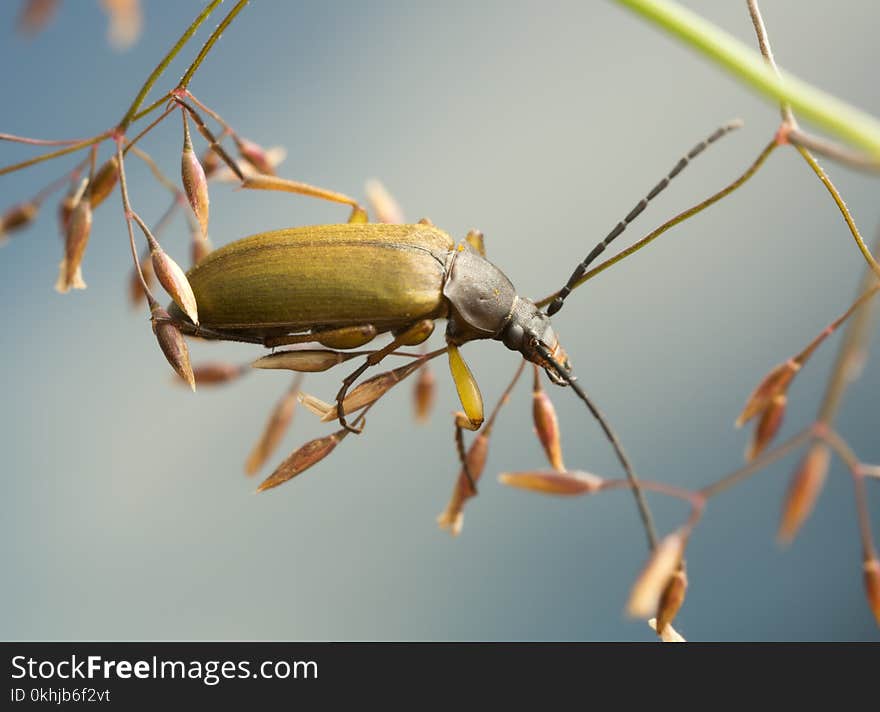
581	269
571	380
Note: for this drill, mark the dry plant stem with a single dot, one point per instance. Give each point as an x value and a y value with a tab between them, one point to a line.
58	182
824	147
156	171
838	199
681	217
166	60
790	123
795	134
210	112
757	464
865	296
764	44
147	129
165	218
845	452
851	351
856	337
126	206
870	470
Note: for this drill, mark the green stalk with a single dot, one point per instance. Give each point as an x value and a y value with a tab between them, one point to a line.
835	116
163	65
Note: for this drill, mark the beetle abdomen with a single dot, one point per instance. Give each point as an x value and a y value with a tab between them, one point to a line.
324	275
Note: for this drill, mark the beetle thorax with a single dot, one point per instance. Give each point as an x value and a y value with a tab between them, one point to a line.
480	296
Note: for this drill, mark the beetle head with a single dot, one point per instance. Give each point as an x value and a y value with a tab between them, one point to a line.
530	332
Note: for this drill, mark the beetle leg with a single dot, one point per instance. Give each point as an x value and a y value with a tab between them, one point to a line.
347	337
204	332
267	182
468	391
415	334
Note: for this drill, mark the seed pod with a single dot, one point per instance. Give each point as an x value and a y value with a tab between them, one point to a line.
546	424
767	427
104	181
668	634
214	373
774	383
569	483
304	360
655	577
76	240
385	207
210	162
871	570
125	22
17	218
309	454
452	518
317	406
803	490
35	15
174	281
425	393
195	183
65	210
255	155
173	345
277	424
371	390
671	600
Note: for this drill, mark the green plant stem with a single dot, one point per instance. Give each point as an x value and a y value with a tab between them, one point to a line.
163	65
838	199
185	79
825	110
55	154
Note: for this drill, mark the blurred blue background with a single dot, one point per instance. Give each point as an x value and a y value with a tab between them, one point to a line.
125	513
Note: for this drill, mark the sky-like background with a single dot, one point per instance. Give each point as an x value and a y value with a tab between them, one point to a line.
124	513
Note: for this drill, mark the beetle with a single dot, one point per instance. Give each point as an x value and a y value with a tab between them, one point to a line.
343	285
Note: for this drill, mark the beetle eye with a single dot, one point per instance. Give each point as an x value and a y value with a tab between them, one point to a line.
513	337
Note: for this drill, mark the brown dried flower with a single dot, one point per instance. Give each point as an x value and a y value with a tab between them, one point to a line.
773	384
803	490
646	593
17	218
277	424
554	482
767	427
452	518
424	393
302	459
195	182
546	424
78	230
871	571
173	345
173	280
104	181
